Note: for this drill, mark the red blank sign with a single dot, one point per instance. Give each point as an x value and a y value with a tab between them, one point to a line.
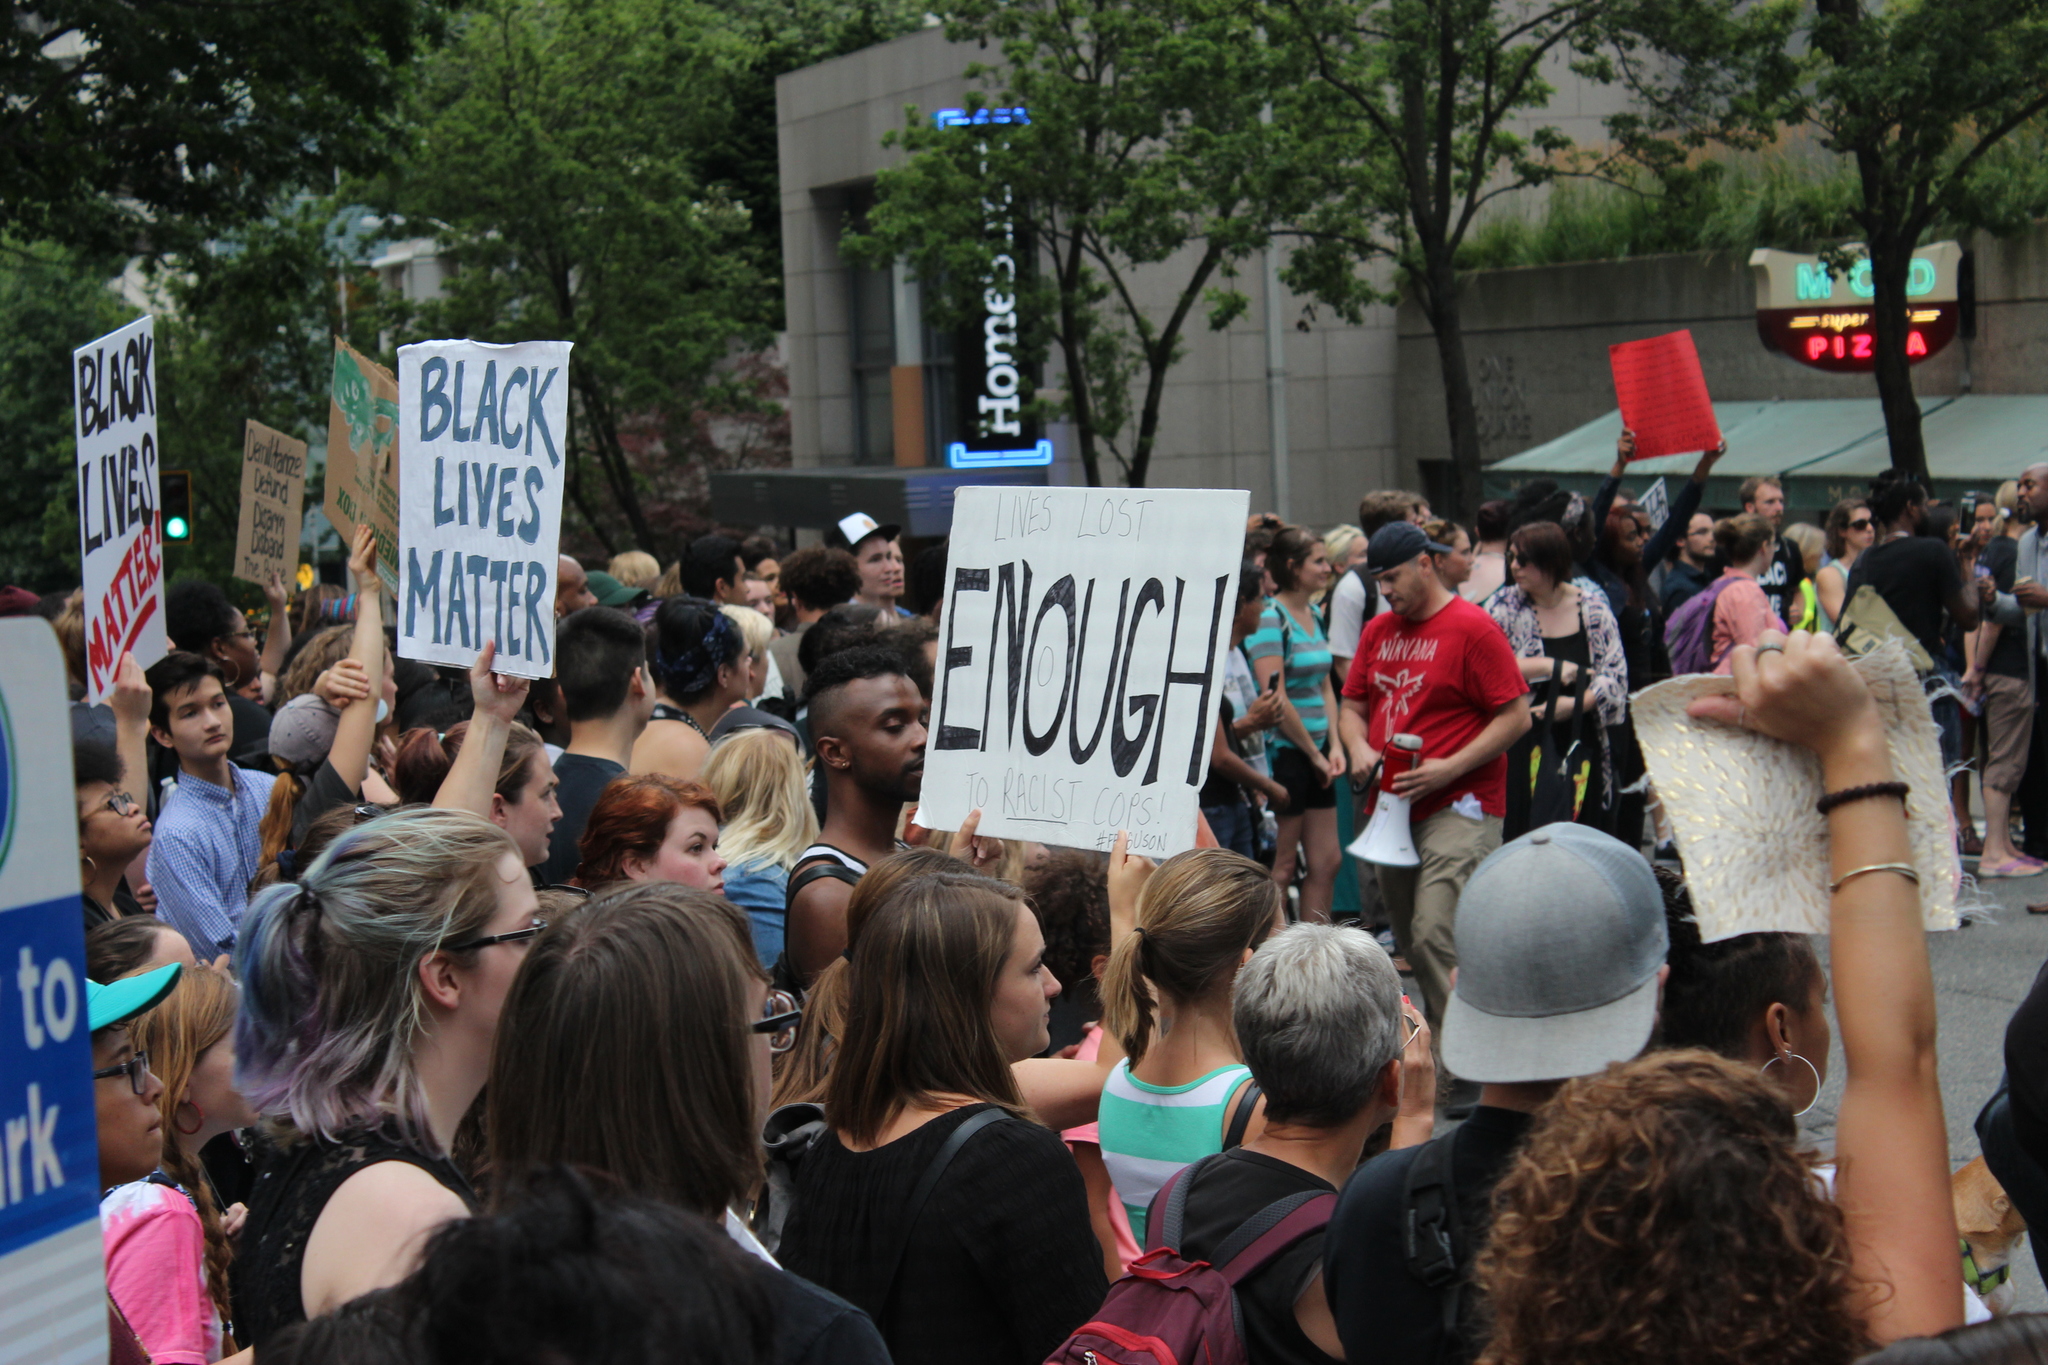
1663	395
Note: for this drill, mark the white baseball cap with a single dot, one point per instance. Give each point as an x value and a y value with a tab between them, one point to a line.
855	527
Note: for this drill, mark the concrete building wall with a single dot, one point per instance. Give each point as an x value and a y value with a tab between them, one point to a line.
1358	410
1213	425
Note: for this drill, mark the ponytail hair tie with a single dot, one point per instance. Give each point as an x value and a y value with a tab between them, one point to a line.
1139	930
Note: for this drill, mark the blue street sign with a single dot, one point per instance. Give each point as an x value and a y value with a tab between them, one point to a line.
52	1277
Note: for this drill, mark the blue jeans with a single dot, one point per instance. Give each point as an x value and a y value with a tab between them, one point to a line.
1232	826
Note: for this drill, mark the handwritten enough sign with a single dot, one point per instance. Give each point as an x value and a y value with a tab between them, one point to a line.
1082	665
481	516
120	524
273	496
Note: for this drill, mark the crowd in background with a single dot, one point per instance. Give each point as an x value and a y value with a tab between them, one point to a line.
631	1013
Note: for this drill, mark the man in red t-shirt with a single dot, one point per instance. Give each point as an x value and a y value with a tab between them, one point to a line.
1435	666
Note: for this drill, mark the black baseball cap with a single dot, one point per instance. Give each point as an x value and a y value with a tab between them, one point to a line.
1396	543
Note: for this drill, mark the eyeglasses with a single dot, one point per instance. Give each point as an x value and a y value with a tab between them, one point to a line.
121	803
779	1016
1860	524
516	936
136	1069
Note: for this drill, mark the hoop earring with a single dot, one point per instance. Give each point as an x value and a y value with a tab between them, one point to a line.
194	1129
92	869
1814	1070
236	681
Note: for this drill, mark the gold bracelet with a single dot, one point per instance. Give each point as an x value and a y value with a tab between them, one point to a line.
1905	870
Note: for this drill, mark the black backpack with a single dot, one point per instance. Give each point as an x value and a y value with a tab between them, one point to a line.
1436	1245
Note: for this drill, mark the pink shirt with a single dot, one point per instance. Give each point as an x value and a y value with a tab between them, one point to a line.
156	1271
1741	615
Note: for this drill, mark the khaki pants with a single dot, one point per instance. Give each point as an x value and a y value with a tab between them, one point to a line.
1422	901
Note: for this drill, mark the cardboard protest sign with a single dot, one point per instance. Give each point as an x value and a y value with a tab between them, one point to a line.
482	513
1082	667
273	497
53	1304
1663	395
120	525
362	454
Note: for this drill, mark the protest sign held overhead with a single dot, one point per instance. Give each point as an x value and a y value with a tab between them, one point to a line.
1081	666
482	511
273	495
1662	393
120	535
362	454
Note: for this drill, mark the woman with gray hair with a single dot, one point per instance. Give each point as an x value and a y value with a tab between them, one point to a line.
1339	1052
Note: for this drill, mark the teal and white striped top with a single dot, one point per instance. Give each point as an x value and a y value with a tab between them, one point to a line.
1304	654
1148	1132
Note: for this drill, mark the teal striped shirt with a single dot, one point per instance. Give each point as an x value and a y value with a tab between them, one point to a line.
1307	664
1148	1131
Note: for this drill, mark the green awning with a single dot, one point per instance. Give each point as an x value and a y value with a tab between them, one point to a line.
1822	449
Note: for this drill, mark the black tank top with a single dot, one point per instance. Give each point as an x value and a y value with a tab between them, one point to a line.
292	1186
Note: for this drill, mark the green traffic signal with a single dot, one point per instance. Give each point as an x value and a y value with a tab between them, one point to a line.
174	494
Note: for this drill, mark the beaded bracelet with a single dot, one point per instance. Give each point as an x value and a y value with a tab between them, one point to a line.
1863	793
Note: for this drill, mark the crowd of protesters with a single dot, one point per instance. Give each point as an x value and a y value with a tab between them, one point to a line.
630	1013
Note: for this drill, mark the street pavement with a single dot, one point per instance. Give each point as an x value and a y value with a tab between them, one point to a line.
1981	972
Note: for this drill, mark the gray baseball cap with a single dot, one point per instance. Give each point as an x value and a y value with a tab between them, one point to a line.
1560	934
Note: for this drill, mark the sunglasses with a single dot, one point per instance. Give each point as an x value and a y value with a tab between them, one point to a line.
136	1069
1860	524
779	1016
516	936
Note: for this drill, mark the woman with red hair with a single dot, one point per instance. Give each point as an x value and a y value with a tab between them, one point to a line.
653	829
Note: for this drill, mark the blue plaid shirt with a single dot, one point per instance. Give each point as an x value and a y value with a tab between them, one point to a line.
203	855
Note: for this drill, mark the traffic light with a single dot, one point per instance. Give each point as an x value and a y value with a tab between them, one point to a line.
174	492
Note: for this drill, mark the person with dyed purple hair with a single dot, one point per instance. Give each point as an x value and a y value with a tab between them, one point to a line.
370	997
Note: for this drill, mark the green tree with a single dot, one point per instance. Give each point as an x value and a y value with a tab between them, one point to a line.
52	299
1419	101
127	125
558	163
247	331
1918	96
1148	152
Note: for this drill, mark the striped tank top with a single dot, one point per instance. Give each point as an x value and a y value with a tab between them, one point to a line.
1151	1131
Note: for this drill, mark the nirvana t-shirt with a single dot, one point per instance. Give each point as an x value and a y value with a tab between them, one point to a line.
2000	559
1441	679
1915	576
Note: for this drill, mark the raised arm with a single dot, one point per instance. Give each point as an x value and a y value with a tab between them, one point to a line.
1683	504
473	777
357	730
129	702
277	637
1891	1143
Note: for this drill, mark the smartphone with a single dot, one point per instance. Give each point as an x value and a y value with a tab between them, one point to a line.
1273	683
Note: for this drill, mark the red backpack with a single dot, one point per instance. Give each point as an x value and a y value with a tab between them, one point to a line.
1170	1311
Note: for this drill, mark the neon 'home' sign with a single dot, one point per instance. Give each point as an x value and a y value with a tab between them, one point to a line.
967	118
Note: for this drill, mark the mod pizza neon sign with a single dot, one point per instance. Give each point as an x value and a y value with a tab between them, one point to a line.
1824	318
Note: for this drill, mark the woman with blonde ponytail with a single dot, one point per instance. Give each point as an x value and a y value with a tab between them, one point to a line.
190	1042
1182	1091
